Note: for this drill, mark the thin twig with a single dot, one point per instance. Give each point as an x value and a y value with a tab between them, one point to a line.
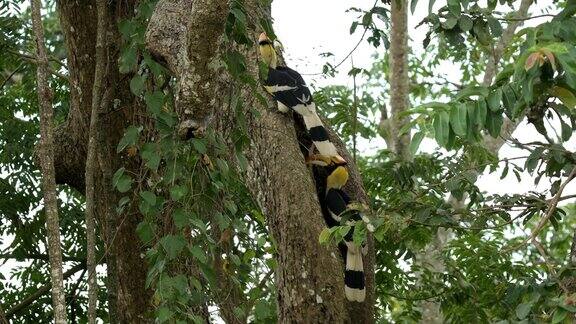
11	75
41	291
351	51
552	205
33	256
354	115
549	264
34	60
417	298
526	18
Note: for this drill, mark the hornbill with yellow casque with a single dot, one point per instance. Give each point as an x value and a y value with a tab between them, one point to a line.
336	208
290	91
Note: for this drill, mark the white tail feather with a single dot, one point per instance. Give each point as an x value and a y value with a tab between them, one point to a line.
354	262
357	295
353	257
326	148
312	120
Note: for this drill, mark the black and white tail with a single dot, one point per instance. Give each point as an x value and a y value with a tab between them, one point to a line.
316	129
354	282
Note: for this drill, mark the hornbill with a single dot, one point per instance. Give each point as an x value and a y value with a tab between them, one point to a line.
336	205
289	89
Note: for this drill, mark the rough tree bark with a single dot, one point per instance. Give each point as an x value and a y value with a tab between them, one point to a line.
79	25
187	36
399	82
92	162
309	288
46	153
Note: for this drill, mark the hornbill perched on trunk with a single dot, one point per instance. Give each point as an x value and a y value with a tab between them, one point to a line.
289	89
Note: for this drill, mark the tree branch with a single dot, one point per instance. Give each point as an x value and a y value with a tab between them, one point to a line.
399	81
34	60
47	164
41	291
552	205
10	76
33	256
91	160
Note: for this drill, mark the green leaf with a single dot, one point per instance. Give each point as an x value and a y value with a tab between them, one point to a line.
353	27
164	314
124	184
566	130
117	175
231	206
495	27
509	99
235	259
128	59
494	99
480	29
154	101
413	4
481	112
494	123
130	137
178	191
200	145
559	315
359	234
450	22
198	223
121	181
137	84
151	156
235	62
430	5
471	91
472	112
262	309
441	126
522	310
324	235
458	119
180	218
149	197
222	166
415	143
145	231
465	23
565	95
122	205
533	159
454	7
198	253
173	245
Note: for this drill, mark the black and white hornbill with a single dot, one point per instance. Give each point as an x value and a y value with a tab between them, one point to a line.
336	204
290	91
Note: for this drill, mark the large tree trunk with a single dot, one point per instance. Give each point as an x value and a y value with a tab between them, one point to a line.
187	36
78	24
